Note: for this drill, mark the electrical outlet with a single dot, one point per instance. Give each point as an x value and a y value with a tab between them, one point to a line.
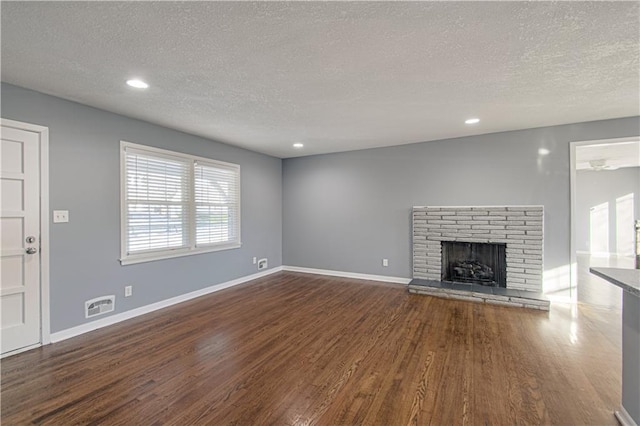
255	260
385	262
60	216
128	291
262	264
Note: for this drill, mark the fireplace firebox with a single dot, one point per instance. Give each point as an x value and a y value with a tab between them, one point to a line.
479	263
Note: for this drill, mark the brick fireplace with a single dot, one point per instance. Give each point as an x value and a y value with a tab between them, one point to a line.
519	228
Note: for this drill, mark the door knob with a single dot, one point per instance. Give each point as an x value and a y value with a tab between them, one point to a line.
32	250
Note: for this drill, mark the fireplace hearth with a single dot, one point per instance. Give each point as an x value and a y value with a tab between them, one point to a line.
488	254
518	229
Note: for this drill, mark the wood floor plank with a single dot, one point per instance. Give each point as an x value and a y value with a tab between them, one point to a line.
300	349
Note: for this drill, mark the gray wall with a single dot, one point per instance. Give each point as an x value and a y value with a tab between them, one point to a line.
347	211
606	186
85	179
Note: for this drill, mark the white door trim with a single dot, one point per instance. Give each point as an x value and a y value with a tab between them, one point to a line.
43	137
572	184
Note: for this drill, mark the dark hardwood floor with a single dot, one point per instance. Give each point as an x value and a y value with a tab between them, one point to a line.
298	349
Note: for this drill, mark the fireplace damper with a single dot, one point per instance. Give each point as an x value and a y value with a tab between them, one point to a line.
480	263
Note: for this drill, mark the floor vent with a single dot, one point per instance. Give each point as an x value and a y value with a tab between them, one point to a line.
99	306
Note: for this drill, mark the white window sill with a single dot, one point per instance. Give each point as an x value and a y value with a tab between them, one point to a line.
151	257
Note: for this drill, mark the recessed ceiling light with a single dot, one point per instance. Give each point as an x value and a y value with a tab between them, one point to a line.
543	151
472	121
138	84
298	145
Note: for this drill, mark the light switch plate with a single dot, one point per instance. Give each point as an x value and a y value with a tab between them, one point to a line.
60	216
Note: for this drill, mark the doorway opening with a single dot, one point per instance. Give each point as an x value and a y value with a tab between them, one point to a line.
605	205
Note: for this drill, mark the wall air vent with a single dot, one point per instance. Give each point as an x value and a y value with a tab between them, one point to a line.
99	305
262	264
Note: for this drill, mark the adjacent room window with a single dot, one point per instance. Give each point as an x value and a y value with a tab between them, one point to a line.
175	204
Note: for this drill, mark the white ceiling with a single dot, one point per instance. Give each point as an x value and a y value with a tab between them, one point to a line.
334	76
608	156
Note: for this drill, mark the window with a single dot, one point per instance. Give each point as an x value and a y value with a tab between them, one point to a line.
175	204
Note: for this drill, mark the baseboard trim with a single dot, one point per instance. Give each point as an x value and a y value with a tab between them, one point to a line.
603	254
385	278
114	319
624	417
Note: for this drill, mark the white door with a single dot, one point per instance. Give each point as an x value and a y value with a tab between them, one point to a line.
20	239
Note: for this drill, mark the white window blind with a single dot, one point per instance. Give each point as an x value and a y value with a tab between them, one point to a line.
174	204
217	189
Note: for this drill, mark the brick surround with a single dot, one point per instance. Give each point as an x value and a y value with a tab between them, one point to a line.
520	227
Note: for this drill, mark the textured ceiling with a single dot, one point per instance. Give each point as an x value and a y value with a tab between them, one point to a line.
335	76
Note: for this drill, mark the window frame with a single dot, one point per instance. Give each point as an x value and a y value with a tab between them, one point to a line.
192	248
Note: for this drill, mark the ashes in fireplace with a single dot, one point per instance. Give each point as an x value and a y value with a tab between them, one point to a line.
480	263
